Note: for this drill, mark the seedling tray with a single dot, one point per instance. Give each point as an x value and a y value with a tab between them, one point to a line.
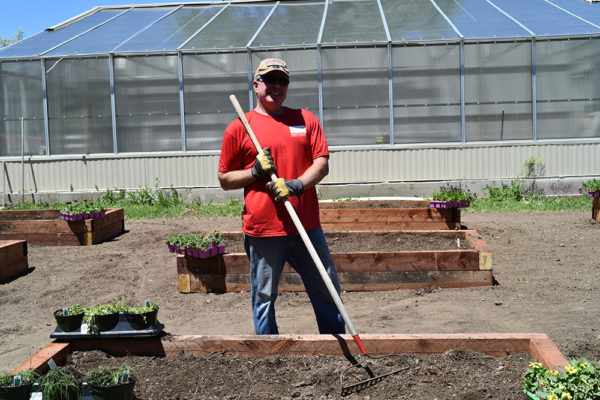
121	330
386	215
13	258
357	271
45	227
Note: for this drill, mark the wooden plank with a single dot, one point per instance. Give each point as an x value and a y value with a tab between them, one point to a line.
12	250
596	209
323	204
349	281
29	214
375	344
13	268
48	239
389	219
56	351
443	260
545	351
485	253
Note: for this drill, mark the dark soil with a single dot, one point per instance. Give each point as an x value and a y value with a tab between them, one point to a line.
381	242
456	374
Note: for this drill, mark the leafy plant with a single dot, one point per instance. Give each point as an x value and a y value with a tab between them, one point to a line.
592	185
195	241
84	207
73	310
147	306
104	376
102	309
60	384
580	381
27	376
451	193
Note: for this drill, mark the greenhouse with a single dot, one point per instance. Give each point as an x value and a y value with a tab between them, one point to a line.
138	82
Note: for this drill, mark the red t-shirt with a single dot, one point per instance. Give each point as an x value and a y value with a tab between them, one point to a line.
295	138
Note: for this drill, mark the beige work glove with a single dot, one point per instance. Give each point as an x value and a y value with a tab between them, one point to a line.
283	188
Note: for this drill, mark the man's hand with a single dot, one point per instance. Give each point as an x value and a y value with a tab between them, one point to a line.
283	188
263	166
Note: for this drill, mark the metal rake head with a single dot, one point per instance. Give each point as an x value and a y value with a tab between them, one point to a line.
373	379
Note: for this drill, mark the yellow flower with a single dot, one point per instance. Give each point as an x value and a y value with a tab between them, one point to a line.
561	387
535	365
566	395
571	370
583	365
553	372
552	397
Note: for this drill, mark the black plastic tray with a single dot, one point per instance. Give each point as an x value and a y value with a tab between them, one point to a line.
121	330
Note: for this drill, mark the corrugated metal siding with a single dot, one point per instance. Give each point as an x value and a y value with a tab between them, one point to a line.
457	162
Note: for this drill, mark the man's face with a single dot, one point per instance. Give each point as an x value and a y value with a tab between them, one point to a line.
271	89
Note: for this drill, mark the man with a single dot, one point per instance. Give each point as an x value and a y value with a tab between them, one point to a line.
295	148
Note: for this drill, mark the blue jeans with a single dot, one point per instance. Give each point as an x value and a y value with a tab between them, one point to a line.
267	256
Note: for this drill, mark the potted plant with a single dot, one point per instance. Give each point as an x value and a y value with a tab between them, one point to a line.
110	384
103	317
197	245
17	386
60	384
593	187
69	319
581	380
87	209
451	197
142	317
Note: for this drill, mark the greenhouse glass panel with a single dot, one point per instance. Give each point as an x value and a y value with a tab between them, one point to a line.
416	21
355	21
109	35
44	41
79	114
568	88
209	79
543	18
171	31
583	9
426	83
303	91
355	95
292	24
476	19
21	97
147	103
498	91
233	28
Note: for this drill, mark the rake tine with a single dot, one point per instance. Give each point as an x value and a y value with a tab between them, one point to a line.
374	379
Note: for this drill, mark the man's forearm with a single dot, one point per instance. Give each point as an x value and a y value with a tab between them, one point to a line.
238	179
315	173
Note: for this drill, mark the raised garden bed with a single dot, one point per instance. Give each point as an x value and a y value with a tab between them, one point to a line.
45	227
309	365
596	209
386	215
13	258
365	261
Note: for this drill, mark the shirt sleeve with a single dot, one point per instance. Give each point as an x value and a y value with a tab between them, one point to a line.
318	143
231	155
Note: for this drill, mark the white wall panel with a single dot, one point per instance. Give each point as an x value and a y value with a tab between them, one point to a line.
355	165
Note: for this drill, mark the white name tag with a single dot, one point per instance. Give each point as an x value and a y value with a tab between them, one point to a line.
299	130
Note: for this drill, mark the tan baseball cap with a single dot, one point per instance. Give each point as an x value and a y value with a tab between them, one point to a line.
271	64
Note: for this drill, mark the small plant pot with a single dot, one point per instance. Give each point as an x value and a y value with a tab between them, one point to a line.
105	322
15	392
142	320
449	204
203	253
593	193
67	323
220	249
213	251
122	391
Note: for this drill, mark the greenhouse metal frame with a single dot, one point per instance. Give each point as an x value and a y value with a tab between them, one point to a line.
366	79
